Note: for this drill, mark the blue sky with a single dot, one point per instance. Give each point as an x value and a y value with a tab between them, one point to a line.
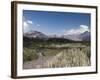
56	22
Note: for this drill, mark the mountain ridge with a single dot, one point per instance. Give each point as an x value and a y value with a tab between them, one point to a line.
75	37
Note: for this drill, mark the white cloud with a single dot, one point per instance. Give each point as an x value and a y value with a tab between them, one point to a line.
29	21
27	25
81	29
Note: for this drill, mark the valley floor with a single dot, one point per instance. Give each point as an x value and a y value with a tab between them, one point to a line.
71	57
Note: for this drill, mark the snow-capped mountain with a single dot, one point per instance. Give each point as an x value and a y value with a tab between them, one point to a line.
79	37
35	34
86	36
74	37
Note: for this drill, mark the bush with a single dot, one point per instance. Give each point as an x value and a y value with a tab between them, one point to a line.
29	54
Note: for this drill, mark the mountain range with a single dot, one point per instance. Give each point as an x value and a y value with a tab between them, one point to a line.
35	34
85	36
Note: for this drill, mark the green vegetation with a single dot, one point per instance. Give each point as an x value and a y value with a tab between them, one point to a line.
50	52
29	54
62	53
70	58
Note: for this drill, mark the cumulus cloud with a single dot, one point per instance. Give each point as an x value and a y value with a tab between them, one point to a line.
81	29
29	21
27	25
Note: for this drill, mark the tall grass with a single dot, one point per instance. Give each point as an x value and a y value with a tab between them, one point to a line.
72	55
70	58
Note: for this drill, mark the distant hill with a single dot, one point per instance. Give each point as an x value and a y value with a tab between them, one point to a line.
63	38
35	34
86	36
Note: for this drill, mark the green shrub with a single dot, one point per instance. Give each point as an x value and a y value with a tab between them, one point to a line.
29	54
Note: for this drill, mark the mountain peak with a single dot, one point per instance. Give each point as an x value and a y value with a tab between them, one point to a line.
86	36
35	34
